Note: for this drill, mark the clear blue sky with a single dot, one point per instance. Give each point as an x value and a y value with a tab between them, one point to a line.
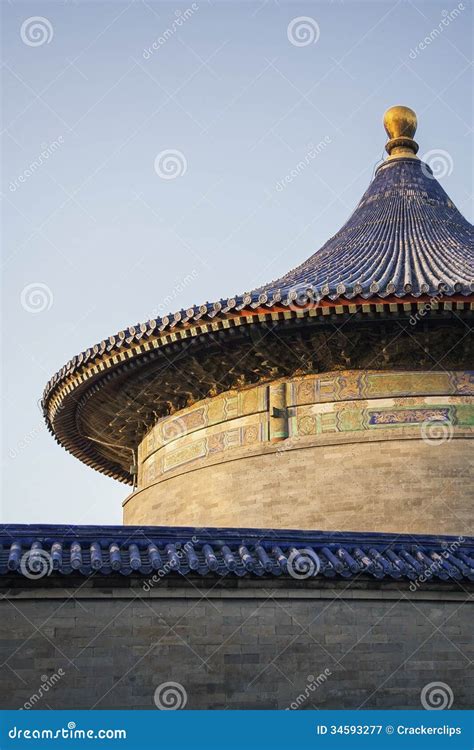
111	243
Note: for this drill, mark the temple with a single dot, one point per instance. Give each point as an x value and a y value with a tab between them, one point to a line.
268	405
288	449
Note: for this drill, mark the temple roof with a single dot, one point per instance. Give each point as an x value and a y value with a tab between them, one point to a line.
36	552
405	248
405	237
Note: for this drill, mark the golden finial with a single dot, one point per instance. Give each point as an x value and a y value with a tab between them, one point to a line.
400	125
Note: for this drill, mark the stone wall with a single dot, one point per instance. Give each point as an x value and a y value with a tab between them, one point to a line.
245	645
376	451
370	483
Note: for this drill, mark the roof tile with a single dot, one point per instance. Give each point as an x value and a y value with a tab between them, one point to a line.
39	551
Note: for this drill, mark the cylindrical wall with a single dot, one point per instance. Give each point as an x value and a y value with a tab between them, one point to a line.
359	451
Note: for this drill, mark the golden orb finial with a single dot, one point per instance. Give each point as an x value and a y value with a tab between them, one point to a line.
400	125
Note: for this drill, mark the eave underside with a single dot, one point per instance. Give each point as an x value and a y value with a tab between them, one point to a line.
101	412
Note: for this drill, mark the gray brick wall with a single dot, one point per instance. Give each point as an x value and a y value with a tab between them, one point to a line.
245	647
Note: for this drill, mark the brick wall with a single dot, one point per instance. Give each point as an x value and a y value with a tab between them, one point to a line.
356	482
252	645
354	450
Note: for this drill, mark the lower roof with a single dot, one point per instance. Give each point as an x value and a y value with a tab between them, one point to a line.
100	407
37	552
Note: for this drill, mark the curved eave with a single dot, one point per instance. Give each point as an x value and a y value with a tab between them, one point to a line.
130	347
194	320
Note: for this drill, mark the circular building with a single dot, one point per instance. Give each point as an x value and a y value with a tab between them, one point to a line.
336	397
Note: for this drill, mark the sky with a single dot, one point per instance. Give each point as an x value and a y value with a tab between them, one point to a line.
149	153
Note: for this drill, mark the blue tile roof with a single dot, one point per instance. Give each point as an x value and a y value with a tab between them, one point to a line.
38	551
405	237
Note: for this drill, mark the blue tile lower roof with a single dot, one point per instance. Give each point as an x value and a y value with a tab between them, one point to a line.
39	551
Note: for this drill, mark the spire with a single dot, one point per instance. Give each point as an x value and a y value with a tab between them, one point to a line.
405	237
400	125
